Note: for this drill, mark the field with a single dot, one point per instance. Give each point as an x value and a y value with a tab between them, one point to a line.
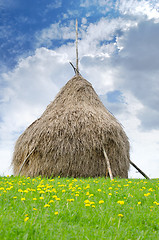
67	208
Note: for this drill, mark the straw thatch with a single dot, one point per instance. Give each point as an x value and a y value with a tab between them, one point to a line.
68	138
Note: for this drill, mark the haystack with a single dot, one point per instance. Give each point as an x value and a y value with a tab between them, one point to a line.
68	139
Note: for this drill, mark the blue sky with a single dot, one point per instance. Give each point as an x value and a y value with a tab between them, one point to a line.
118	53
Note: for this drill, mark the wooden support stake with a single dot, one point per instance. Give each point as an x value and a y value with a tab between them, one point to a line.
26	160
77	70
106	175
140	171
108	164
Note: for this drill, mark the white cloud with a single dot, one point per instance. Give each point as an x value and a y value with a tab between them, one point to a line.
138	67
5	161
84	20
88	3
139	8
56	31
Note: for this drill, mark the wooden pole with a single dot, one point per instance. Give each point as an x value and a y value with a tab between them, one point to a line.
26	160
140	171
108	164
77	70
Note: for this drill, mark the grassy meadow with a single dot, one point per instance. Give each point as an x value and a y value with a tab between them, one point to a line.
67	208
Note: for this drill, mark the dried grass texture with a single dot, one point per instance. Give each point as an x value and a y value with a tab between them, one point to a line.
69	137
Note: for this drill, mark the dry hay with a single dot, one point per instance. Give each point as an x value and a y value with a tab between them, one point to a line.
69	137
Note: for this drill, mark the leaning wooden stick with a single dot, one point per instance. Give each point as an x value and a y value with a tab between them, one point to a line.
140	171
25	160
73	67
108	164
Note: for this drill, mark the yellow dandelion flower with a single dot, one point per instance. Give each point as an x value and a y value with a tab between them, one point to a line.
139	203
41	191
41	198
22	199
56	213
48	191
51	201
26	219
46	205
14	197
54	196
70	200
151	190
87	205
110	194
63	190
92	203
34	199
26	191
101	201
110	188
87	193
91	195
34	209
93	206
20	190
146	194
76	195
120	215
86	201
120	202
99	190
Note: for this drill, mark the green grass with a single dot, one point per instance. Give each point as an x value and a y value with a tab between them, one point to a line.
67	208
